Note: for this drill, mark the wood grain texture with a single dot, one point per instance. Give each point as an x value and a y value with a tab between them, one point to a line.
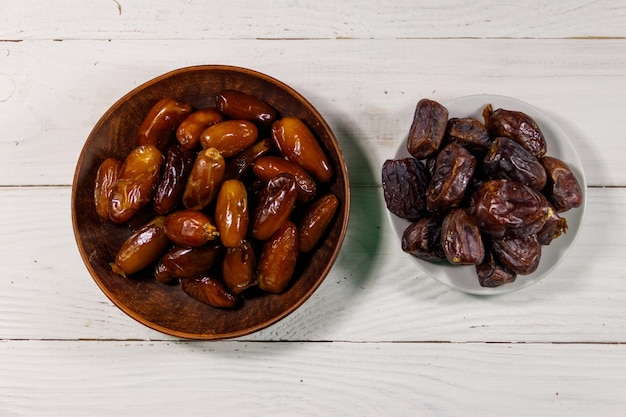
378	337
322	19
365	89
310	379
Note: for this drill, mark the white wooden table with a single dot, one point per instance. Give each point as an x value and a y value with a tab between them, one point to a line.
379	338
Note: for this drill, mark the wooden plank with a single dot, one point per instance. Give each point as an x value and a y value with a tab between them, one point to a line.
310	379
373	293
366	89
322	19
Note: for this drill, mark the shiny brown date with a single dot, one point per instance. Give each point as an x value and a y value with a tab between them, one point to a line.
404	184
298	144
205	179
277	262
427	129
231	213
520	255
275	205
267	167
238	165
238	105
136	183
184	262
230	136
563	189
315	221
162	275
461	239
507	159
142	248
518	126
422	238
209	290
505	208
454	169
169	191
189	131
239	268
107	174
159	126
190	228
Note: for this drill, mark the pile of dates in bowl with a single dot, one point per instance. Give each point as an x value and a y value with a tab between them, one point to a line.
477	202
210	202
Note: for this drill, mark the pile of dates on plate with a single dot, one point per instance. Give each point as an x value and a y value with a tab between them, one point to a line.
479	193
235	193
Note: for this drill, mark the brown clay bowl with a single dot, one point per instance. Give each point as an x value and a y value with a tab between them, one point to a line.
166	308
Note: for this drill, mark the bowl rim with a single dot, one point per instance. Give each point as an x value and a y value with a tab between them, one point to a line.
341	166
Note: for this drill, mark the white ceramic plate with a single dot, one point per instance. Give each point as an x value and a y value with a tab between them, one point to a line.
464	278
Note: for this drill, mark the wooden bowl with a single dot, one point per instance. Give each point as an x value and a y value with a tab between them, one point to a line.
167	308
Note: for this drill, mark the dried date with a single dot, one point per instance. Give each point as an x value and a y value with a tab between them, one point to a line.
562	189
209	290
454	169
238	105
555	226
470	133
315	221
277	262
267	167
169	191
491	273
230	136
231	213
505	208
190	228
159	126
274	206
190	129
519	255
107	174
518	126
507	159
238	165
461	239
298	144
191	262
136	183
422	238
404	184
427	129
239	268
205	179
142	248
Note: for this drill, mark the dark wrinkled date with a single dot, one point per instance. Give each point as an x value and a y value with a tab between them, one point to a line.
423	239
454	168
517	126
461	239
470	133
507	159
428	128
562	187
504	208
482	194
404	187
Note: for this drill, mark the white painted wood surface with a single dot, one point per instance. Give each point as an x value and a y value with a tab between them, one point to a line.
378	337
